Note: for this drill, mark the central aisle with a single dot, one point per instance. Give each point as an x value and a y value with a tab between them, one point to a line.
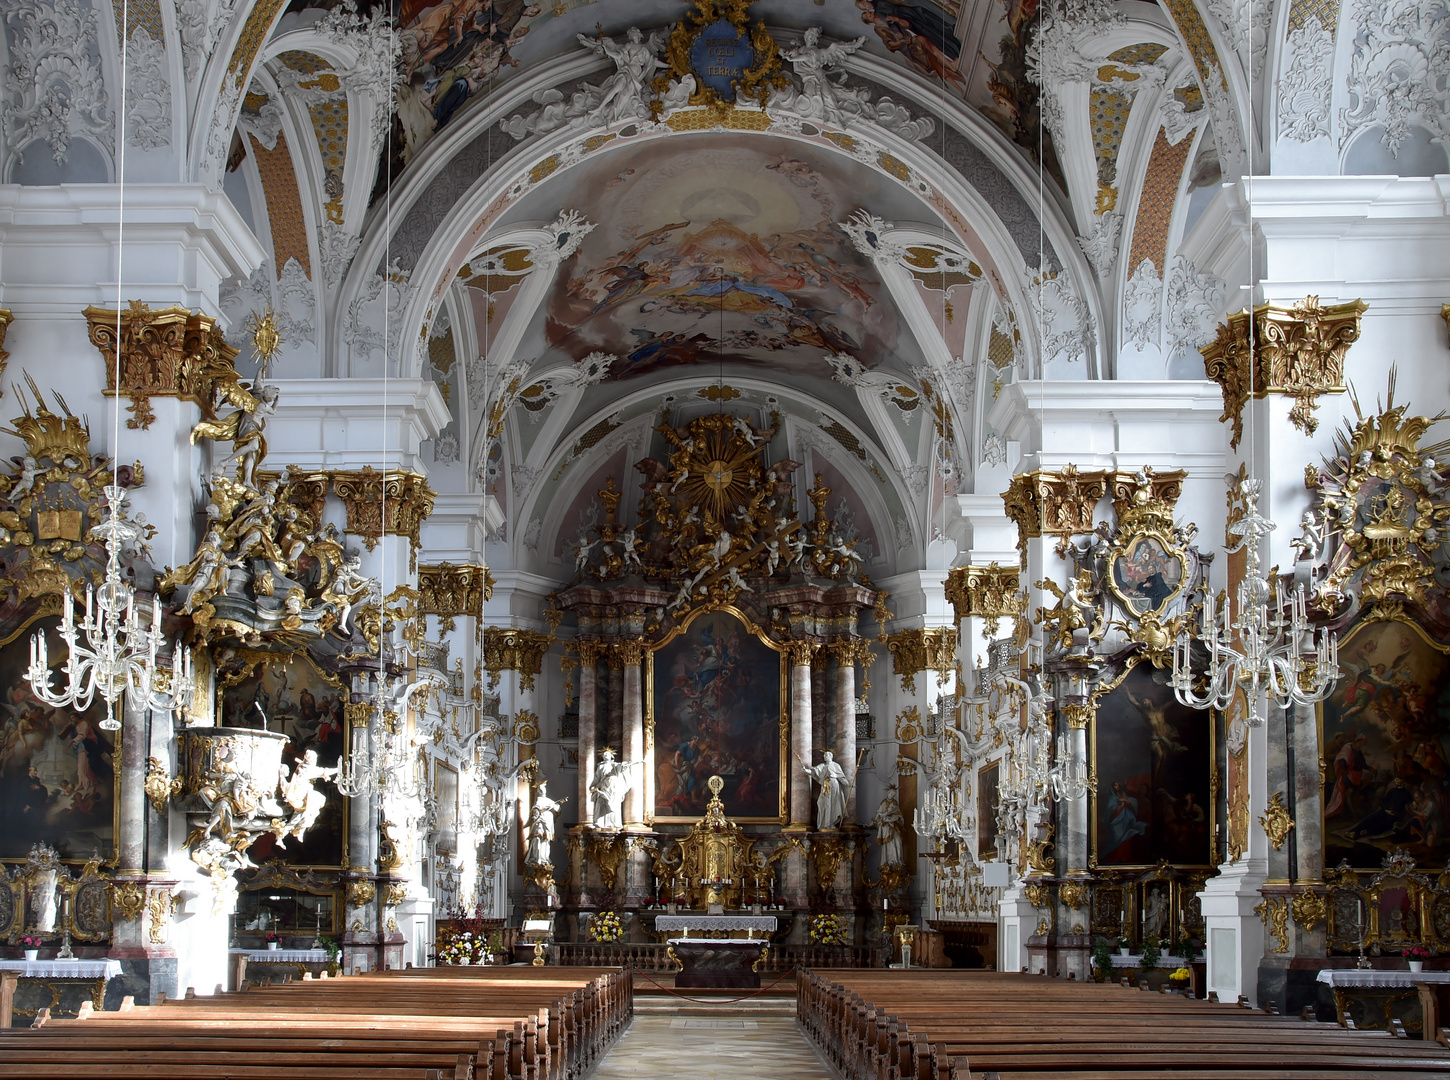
724	1045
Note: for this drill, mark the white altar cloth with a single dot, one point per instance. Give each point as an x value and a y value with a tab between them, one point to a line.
1350	977
63	969
284	956
686	923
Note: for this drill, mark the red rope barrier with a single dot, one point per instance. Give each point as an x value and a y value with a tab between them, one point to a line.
715	1001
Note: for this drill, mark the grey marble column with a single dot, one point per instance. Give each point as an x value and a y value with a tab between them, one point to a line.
131	838
800	653
632	654
588	727
846	722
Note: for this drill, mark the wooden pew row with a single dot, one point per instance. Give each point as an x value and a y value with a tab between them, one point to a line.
448	1024
950	1026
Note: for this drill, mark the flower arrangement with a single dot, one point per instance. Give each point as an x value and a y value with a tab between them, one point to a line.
827	930
29	942
270	937
606	926
1416	952
457	949
1182	975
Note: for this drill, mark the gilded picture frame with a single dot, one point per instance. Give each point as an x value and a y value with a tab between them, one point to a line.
776	700
1147	571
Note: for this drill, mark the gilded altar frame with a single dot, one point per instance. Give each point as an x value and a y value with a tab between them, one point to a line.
756	631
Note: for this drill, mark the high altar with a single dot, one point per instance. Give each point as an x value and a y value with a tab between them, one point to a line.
706	634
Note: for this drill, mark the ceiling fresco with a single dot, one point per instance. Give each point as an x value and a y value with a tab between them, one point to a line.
706	254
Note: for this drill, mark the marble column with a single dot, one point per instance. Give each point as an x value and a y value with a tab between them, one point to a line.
845	708
800	653
631	653
821	740
588	727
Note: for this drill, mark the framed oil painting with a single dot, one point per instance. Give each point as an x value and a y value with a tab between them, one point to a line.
717	706
1386	783
1153	759
57	773
309	707
987	780
1147	573
445	794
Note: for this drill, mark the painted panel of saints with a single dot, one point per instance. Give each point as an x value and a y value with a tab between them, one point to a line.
57	781
1152	757
301	704
717	702
1386	783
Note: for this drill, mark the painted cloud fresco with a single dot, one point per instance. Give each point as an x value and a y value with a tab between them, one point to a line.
738	247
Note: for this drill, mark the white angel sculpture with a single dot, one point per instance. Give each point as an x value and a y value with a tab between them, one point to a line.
813	64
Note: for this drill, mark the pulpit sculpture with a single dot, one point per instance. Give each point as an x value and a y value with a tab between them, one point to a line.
831	802
612	782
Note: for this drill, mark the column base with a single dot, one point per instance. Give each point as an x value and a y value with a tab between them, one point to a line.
1234	934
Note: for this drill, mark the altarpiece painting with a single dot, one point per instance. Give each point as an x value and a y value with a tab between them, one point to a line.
309	707
718	710
1153	760
1385	748
57	775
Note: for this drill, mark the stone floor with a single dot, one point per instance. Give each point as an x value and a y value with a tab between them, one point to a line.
712	1043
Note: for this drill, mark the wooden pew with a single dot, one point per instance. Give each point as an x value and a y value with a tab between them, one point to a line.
429	1024
950	1026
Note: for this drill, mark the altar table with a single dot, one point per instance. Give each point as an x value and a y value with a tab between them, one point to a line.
1373	997
52	984
717	963
715	923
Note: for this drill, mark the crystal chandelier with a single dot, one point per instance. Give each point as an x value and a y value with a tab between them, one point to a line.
111	651
1276	654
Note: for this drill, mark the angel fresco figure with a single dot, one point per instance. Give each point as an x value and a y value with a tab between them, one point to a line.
245	429
625	94
813	66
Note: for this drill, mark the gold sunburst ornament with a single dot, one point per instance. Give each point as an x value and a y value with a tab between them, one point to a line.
266	338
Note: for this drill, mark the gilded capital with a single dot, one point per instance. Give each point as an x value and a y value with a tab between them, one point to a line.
800	652
988	592
394	501
932	649
450	590
630	653
165	352
1077	716
510	649
1048	502
1296	351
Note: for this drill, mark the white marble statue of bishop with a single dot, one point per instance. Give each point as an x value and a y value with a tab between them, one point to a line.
613	780
541	827
831	802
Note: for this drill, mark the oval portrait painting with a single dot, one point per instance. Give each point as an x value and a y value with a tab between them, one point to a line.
1147	575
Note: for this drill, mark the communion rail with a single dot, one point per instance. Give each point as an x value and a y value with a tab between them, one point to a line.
653	957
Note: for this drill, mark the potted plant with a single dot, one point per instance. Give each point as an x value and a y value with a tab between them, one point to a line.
334	955
1152	951
1123	945
1102	958
1416	955
272	941
1179	980
1187	948
31	945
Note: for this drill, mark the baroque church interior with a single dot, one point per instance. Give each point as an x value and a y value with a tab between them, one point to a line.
944	501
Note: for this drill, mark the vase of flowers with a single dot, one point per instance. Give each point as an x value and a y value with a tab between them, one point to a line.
1124	945
31	945
1416	955
1179	979
273	942
827	930
606	927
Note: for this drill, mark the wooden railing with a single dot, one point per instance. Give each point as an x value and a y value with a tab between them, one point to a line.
653	957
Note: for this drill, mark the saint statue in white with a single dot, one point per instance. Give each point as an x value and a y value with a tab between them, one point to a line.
889	826
541	827
813	64
612	781
831	802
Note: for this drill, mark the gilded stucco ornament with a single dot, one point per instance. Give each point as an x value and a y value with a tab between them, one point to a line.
509	649
1309	910
1048	502
393	502
929	649
1276	821
1296	351
1273	911
5	320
